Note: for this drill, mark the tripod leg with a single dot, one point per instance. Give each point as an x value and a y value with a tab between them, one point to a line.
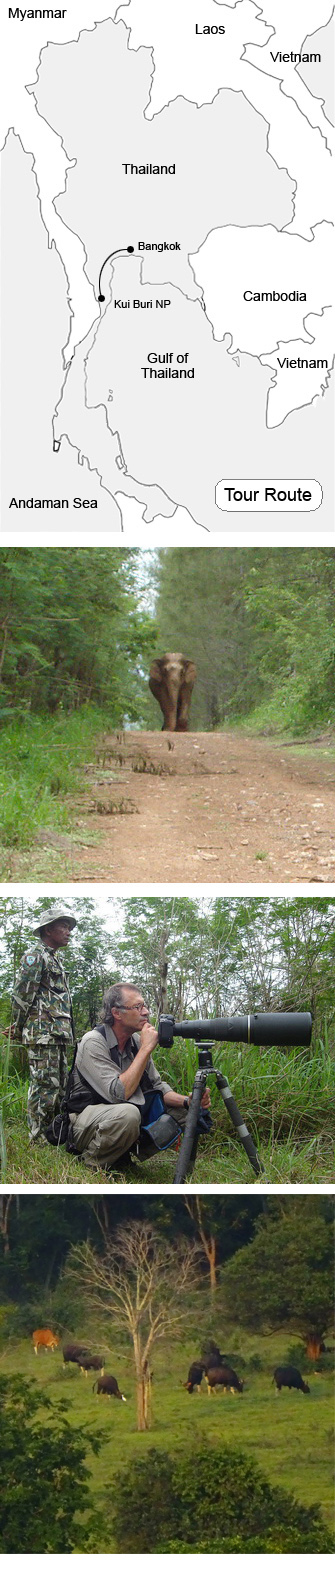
188	1149
237	1120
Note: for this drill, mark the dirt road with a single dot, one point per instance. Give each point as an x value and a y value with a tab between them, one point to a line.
205	808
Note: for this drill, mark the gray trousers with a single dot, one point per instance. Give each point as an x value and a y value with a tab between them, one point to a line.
105	1132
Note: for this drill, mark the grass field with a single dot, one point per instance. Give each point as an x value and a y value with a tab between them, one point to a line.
288	1102
220	1160
290	1436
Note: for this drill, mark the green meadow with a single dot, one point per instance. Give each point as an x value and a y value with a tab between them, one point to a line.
290	1435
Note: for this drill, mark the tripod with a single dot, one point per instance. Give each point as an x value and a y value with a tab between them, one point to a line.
188	1151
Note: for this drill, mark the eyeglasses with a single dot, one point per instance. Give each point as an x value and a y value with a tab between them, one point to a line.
128	1007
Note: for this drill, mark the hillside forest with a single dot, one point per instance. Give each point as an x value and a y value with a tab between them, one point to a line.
85	1283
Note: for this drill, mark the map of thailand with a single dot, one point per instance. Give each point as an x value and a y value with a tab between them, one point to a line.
168	268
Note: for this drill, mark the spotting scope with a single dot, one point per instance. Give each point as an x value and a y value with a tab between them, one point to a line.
263	1030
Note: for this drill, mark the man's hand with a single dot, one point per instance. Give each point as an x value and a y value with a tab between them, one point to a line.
148	1038
131	1077
172	1098
205	1099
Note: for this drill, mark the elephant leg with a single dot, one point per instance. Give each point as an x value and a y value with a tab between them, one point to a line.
167	702
183	706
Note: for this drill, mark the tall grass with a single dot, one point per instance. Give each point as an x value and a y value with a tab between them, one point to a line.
288	1104
10	1090
280	1095
40	760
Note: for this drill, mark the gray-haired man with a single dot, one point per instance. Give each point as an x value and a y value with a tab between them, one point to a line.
114	1074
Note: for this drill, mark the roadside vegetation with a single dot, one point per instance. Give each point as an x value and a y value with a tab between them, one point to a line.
41	760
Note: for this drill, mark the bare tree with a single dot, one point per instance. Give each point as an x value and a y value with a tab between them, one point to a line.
137	1282
200	1214
6	1201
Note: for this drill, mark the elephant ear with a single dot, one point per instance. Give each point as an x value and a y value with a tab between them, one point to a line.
189	672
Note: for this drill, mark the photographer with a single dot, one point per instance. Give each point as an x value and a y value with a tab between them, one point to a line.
114	1082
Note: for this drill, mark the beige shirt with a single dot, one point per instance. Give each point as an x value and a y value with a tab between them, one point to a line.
99	1070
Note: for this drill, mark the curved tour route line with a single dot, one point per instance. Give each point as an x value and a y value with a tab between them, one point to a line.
121	252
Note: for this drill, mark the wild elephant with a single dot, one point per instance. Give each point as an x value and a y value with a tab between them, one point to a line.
172	680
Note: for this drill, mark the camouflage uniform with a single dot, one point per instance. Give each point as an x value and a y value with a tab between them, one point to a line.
42	1018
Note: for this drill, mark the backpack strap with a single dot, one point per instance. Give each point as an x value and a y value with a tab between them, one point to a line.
77	1098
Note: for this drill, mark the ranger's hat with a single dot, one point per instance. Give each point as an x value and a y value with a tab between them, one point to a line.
55	913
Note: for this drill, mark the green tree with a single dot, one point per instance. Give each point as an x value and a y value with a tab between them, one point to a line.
71	632
44	1479
285	1276
207	1500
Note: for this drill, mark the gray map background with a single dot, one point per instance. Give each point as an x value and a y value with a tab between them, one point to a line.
34	316
320	78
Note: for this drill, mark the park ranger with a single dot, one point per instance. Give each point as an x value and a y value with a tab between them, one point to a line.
42	1016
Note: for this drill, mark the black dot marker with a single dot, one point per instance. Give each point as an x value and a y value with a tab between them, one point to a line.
130	247
101	298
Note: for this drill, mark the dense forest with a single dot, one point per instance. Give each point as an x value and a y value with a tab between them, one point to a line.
80	627
260	626
73	631
38	1235
197	957
189	956
250	1274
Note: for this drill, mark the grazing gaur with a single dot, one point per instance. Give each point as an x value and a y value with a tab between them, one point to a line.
44	1338
225	1377
75	1353
194	1377
215	1359
291	1377
108	1386
212	1355
91	1361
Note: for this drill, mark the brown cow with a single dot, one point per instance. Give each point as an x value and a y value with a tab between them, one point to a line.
44	1338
